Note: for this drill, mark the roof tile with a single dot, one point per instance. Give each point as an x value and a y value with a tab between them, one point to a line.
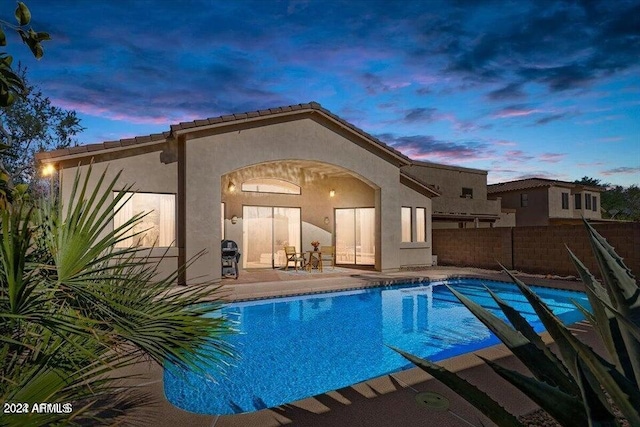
78	149
227	118
112	144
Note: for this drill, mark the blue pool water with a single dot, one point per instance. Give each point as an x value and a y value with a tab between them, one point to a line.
292	348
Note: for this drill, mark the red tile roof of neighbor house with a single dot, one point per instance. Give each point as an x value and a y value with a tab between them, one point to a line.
523	184
185	127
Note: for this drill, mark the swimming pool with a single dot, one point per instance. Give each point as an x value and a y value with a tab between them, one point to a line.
296	347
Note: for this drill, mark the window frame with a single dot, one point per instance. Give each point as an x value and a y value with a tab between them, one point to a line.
275	183
587	202
403	224
577	201
565	200
129	199
424	224
594	203
468	194
524	200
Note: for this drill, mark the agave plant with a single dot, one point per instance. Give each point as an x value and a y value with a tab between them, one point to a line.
74	310
580	387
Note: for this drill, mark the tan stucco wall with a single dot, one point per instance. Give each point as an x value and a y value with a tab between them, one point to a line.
546	203
416	253
449	180
536	213
507	218
210	157
140	168
587	213
555	203
201	163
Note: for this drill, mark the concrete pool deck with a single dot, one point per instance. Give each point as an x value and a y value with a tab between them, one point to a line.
384	401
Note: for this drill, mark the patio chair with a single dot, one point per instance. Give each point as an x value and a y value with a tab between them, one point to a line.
294	257
328	254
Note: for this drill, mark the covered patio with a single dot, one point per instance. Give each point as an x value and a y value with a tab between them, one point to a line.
270	205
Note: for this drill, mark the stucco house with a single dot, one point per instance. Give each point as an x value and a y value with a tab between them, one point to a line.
463	201
540	201
265	179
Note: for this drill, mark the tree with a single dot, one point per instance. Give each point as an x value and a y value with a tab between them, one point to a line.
622	202
617	202
12	86
33	124
592	182
74	309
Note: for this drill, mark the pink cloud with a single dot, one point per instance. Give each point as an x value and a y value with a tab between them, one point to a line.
515	112
552	157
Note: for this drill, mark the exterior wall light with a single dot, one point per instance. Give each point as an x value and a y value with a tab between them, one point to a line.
332	193
48	170
326	220
231	187
234	219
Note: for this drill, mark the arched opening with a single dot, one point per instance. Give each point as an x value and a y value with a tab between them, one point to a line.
268	206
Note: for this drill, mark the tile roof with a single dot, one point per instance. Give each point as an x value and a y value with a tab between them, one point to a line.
523	184
192	125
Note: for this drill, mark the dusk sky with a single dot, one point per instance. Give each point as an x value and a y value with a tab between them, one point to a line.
519	88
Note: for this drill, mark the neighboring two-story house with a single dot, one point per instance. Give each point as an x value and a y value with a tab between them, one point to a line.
463	201
539	201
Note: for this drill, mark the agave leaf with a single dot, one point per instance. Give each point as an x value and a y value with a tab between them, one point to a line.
596	293
466	390
607	247
599	415
623	291
521	324
552	324
565	408
632	328
586	313
534	358
621	389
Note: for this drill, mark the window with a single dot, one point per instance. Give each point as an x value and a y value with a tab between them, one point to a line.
565	200
156	228
587	201
467	193
595	204
270	185
578	204
524	200
406	224
421	224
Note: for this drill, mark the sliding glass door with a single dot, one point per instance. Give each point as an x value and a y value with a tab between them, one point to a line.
266	230
355	236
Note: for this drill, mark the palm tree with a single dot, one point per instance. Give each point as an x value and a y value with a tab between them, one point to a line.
74	309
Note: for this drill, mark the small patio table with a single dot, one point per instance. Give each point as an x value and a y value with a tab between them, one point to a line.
314	256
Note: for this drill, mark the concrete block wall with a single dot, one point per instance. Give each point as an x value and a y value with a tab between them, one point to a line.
473	247
542	249
534	249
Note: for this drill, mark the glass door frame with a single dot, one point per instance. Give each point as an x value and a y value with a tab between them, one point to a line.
355	233
298	244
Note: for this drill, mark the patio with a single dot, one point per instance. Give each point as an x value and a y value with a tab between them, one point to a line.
383	401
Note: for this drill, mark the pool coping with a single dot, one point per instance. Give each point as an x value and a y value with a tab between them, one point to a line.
397	382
